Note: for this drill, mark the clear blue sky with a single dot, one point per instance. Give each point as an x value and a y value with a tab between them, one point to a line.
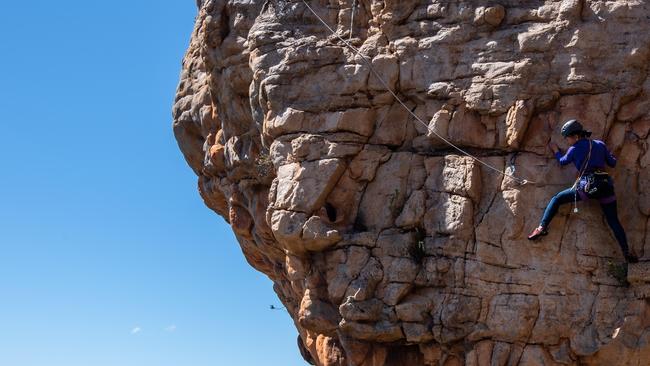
108	257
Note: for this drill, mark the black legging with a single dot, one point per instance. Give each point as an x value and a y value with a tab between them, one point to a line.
609	209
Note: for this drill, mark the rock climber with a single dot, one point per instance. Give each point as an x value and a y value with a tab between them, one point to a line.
589	157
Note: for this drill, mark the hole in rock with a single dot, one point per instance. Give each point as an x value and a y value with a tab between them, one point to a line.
331	212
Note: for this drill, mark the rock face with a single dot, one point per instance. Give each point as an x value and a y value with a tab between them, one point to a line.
388	247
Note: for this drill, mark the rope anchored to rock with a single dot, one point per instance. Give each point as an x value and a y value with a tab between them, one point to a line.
399	100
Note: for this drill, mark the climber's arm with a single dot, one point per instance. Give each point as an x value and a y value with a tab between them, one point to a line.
610	158
566	158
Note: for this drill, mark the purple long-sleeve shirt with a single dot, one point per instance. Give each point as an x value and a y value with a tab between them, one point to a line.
577	154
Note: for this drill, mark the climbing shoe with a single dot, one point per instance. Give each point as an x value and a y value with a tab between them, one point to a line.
539	231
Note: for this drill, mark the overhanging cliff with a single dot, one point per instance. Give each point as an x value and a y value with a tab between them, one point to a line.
387	246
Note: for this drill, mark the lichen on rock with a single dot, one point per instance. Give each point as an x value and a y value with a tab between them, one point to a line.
386	245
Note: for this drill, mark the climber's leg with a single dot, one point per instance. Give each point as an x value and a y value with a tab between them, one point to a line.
566	196
611	215
563	197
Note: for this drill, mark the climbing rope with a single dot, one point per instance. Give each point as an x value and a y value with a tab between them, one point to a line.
399	100
354	7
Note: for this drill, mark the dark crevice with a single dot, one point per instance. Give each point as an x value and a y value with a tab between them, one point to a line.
358	225
331	212
417	250
224	29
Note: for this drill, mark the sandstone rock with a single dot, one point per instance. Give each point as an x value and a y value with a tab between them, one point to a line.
392	243
401	270
394	292
363	287
328	351
417	333
458	316
452	215
287	229
386	194
364	165
387	245
500	353
492	15
484	353
432	353
289	121
313	147
341	272
413	210
516	123
639	272
519	310
439	125
379	332
317	315
390	129
454	174
387	67
369	310
561	353
318	236
536	355
414	308
304	186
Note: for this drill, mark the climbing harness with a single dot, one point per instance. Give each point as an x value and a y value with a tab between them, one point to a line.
399	100
598	185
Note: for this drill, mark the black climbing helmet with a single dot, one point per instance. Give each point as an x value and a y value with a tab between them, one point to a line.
573	127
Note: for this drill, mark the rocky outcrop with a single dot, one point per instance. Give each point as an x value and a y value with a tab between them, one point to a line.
387	246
